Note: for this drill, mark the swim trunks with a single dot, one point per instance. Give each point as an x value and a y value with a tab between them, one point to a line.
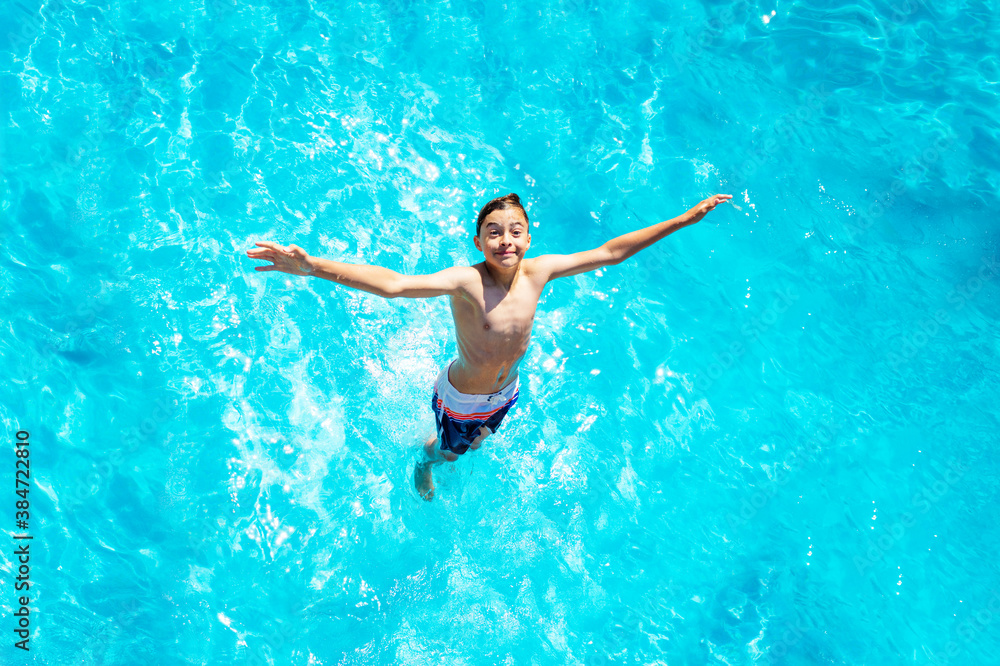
460	415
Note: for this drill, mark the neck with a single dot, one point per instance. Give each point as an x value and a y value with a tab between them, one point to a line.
503	277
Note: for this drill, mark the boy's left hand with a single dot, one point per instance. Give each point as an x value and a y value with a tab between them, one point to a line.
707	205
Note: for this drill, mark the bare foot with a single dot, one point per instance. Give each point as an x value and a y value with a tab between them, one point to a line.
423	480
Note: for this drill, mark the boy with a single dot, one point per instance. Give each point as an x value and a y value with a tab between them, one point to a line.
493	304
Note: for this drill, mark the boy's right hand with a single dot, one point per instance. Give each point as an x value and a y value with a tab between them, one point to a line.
292	259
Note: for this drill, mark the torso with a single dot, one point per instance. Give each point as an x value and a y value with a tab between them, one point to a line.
493	327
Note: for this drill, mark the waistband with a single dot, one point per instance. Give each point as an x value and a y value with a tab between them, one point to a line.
479	405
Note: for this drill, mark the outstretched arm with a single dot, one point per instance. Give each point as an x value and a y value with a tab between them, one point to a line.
619	249
625	246
373	279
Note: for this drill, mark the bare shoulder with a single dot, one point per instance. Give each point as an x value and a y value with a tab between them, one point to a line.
467	279
538	269
467	274
530	265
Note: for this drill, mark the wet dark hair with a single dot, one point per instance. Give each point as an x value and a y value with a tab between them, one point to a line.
500	203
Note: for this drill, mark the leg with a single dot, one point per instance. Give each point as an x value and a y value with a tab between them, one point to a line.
484	432
491	425
430	456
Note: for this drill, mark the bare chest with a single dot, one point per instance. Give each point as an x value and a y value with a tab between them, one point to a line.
496	319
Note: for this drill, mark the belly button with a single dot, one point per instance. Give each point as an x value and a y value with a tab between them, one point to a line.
486	327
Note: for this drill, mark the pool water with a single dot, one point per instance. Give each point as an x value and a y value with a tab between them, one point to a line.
769	439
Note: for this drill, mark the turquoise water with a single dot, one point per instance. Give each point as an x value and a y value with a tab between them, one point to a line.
770	439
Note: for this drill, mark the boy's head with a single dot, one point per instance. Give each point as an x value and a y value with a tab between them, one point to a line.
505	202
502	231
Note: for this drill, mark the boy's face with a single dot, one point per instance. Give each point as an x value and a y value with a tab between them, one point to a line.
504	238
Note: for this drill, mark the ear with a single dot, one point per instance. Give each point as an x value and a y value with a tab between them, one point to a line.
475	241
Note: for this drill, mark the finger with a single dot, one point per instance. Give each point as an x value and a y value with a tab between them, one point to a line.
270	245
264	269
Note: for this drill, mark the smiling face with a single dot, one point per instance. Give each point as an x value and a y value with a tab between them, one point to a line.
503	238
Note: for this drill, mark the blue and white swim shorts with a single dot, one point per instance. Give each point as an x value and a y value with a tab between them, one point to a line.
459	416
